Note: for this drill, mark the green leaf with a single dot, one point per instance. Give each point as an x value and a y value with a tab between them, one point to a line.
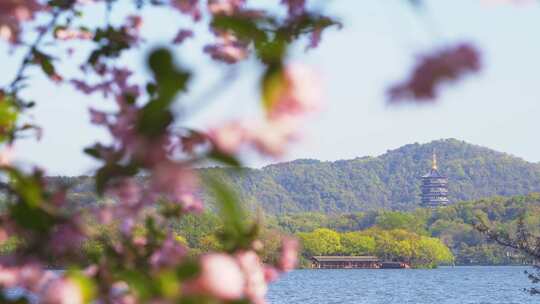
45	62
224	158
244	28
31	217
141	284
236	233
188	270
156	116
168	284
111	171
272	85
93	151
86	285
27	187
8	117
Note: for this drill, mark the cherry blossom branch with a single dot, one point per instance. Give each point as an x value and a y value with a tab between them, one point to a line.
27	59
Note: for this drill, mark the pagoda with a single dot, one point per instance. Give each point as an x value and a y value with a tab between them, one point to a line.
434	187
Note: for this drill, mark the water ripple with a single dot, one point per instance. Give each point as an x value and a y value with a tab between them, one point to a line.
445	285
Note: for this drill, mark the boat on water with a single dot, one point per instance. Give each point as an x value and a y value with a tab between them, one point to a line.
355	262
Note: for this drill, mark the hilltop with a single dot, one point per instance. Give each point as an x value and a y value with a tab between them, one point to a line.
388	181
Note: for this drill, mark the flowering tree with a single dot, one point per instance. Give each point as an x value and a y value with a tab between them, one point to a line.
137	257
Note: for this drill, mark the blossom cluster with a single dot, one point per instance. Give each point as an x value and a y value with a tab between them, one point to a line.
290	94
13	13
446	65
147	169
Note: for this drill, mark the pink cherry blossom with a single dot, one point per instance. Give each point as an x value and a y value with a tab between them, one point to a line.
299	92
6	155
177	183
224	7
91	270
271	274
71	34
126	191
66	237
170	254
289	254
229	137
8	276
30	276
252	267
446	65
98	117
188	7
295	7
272	137
63	291
191	203
127	225
13	13
182	35
229	52
220	276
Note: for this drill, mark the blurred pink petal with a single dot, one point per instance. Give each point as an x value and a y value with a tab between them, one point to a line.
272	137
178	184
66	237
127	191
170	254
72	34
188	7
289	254
220	277
256	286
271	274
295	7
182	35
13	13
224	7
230	52
299	92
6	155
449	64
229	137
63	291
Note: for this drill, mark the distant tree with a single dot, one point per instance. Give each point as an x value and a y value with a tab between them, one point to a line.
354	243
521	240
321	241
390	220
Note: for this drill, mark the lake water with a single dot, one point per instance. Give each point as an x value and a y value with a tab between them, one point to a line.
445	285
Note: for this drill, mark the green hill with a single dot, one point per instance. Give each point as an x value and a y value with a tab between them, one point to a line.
387	181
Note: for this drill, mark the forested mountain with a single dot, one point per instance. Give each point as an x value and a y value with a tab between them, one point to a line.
387	181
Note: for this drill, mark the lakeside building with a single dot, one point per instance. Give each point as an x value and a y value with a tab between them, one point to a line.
434	187
353	262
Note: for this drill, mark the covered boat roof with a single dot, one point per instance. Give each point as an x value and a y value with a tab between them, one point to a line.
334	258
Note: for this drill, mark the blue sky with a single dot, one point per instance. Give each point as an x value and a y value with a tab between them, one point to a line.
499	108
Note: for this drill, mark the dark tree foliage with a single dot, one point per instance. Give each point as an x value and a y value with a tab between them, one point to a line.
523	239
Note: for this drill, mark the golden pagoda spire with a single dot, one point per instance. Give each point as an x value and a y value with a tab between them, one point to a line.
434	161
